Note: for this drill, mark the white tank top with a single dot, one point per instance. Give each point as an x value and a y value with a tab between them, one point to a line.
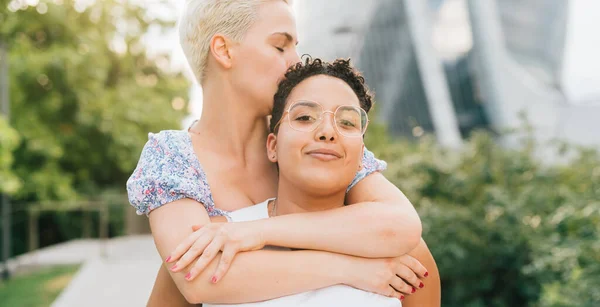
338	295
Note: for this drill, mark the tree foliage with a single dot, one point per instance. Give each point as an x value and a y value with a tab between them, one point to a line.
84	94
9	140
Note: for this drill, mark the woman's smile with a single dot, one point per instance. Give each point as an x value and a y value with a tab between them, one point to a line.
324	154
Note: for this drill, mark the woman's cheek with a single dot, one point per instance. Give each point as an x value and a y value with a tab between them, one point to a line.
353	147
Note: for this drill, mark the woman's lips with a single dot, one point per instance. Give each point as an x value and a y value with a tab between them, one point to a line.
324	154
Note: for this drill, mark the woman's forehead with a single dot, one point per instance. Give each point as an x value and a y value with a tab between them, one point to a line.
275	17
329	91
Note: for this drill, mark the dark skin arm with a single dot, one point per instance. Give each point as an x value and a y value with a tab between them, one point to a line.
165	292
431	294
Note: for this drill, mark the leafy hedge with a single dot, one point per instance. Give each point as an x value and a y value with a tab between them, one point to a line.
505	228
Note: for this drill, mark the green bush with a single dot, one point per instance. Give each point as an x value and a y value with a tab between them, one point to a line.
505	229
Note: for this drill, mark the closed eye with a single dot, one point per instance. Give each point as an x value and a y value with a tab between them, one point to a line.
280	49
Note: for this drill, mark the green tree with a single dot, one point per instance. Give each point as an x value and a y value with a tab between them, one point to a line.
9	140
84	94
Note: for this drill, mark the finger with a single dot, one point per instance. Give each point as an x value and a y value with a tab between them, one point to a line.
225	262
183	247
393	293
409	276
415	265
195	251
210	252
196	227
401	286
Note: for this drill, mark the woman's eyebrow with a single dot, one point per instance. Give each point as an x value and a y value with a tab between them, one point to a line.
287	35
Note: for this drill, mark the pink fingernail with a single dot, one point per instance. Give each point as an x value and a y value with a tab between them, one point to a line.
188	275
214	279
173	268
168	258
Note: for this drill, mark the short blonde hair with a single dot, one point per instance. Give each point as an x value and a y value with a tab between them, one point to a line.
201	19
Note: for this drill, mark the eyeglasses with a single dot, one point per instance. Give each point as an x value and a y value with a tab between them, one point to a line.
306	116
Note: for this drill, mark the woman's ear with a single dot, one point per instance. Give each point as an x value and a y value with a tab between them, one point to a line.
272	147
220	48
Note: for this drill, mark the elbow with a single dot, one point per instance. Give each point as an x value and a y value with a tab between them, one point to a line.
413	234
403	230
197	294
191	296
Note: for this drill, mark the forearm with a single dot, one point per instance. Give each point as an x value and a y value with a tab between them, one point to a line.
265	274
368	229
253	276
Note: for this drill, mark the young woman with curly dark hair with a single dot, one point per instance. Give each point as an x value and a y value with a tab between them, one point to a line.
317	128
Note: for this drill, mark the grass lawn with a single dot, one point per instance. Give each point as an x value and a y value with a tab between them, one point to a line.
35	289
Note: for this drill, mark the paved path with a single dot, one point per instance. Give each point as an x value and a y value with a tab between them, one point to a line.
116	272
123	277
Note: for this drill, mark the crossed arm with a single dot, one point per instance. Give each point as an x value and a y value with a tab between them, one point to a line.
381	223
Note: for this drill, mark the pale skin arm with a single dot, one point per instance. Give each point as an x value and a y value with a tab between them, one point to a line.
269	271
380	223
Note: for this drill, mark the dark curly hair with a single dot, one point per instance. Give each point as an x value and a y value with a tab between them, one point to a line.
340	69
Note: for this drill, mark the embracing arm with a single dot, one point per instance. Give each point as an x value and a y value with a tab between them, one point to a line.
381	222
431	293
268	271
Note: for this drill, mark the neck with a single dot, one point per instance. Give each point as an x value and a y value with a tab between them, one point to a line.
230	123
290	199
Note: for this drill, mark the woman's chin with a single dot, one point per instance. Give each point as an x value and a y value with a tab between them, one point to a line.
324	180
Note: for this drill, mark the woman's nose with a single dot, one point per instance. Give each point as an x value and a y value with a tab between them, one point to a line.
295	58
326	130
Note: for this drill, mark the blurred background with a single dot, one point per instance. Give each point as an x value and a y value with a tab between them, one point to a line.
488	114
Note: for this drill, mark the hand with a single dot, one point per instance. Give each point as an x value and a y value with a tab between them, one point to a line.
393	277
206	242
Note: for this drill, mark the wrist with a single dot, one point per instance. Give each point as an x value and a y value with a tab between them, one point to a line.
343	269
263	230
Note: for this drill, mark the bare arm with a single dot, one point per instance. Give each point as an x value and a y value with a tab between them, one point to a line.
269	271
165	292
431	294
381	222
